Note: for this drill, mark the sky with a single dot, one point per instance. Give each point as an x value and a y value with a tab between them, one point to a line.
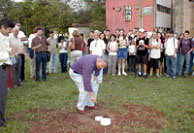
18	0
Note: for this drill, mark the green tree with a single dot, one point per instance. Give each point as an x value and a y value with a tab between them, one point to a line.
97	15
50	14
5	6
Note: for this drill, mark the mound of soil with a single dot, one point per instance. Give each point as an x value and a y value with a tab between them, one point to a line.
134	116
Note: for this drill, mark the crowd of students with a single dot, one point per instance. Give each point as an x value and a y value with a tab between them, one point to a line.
134	53
161	51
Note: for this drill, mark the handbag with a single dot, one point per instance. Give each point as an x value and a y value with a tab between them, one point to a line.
48	55
31	54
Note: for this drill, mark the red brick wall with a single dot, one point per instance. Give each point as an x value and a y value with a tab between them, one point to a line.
116	19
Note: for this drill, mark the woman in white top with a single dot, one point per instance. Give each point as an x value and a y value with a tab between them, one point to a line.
112	49
155	54
63	56
122	52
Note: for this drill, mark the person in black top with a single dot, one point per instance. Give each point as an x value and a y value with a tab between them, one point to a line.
129	38
142	45
90	40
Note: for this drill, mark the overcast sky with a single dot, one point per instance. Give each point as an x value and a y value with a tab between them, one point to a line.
18	0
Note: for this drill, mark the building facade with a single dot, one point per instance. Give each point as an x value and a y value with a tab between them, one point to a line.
183	16
147	14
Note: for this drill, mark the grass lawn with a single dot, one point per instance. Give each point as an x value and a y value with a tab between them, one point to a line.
32	104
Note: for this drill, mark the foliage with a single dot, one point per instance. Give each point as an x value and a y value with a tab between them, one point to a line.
5	6
97	14
50	14
53	14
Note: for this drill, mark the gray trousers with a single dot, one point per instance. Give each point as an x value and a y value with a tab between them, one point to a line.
16	72
3	92
112	59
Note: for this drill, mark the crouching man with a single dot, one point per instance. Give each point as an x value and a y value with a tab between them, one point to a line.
84	73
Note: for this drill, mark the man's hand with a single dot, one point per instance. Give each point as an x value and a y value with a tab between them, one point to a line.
93	99
38	46
95	78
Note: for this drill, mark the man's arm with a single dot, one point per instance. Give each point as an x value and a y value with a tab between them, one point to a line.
87	82
192	46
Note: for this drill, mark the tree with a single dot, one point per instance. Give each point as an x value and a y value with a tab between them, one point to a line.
97	14
49	14
5	6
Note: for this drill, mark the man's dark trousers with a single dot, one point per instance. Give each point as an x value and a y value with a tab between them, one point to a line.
41	59
3	93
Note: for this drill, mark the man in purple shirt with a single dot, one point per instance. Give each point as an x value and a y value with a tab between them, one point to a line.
84	73
186	47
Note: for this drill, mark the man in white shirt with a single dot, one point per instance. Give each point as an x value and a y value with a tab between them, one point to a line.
16	43
98	47
6	26
32	60
24	40
171	47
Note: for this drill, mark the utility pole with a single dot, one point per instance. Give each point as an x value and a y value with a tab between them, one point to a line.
140	14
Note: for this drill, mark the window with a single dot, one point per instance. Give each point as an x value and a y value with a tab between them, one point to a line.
127	12
163	9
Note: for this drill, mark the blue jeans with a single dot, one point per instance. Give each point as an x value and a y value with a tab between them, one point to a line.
63	59
191	61
181	63
171	64
53	65
41	58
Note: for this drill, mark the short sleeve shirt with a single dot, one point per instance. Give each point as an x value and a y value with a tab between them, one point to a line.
142	50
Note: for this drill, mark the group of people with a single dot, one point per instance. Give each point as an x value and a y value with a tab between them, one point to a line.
139	52
160	51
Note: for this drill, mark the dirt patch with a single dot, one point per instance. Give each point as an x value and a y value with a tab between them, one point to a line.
134	117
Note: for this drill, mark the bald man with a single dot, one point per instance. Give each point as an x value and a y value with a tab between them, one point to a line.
84	73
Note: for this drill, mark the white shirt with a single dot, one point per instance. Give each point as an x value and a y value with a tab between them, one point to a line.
16	42
4	50
132	49
31	37
97	47
21	34
122	42
63	47
170	46
112	47
155	53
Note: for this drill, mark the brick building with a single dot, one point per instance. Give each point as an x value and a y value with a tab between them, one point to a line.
127	14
